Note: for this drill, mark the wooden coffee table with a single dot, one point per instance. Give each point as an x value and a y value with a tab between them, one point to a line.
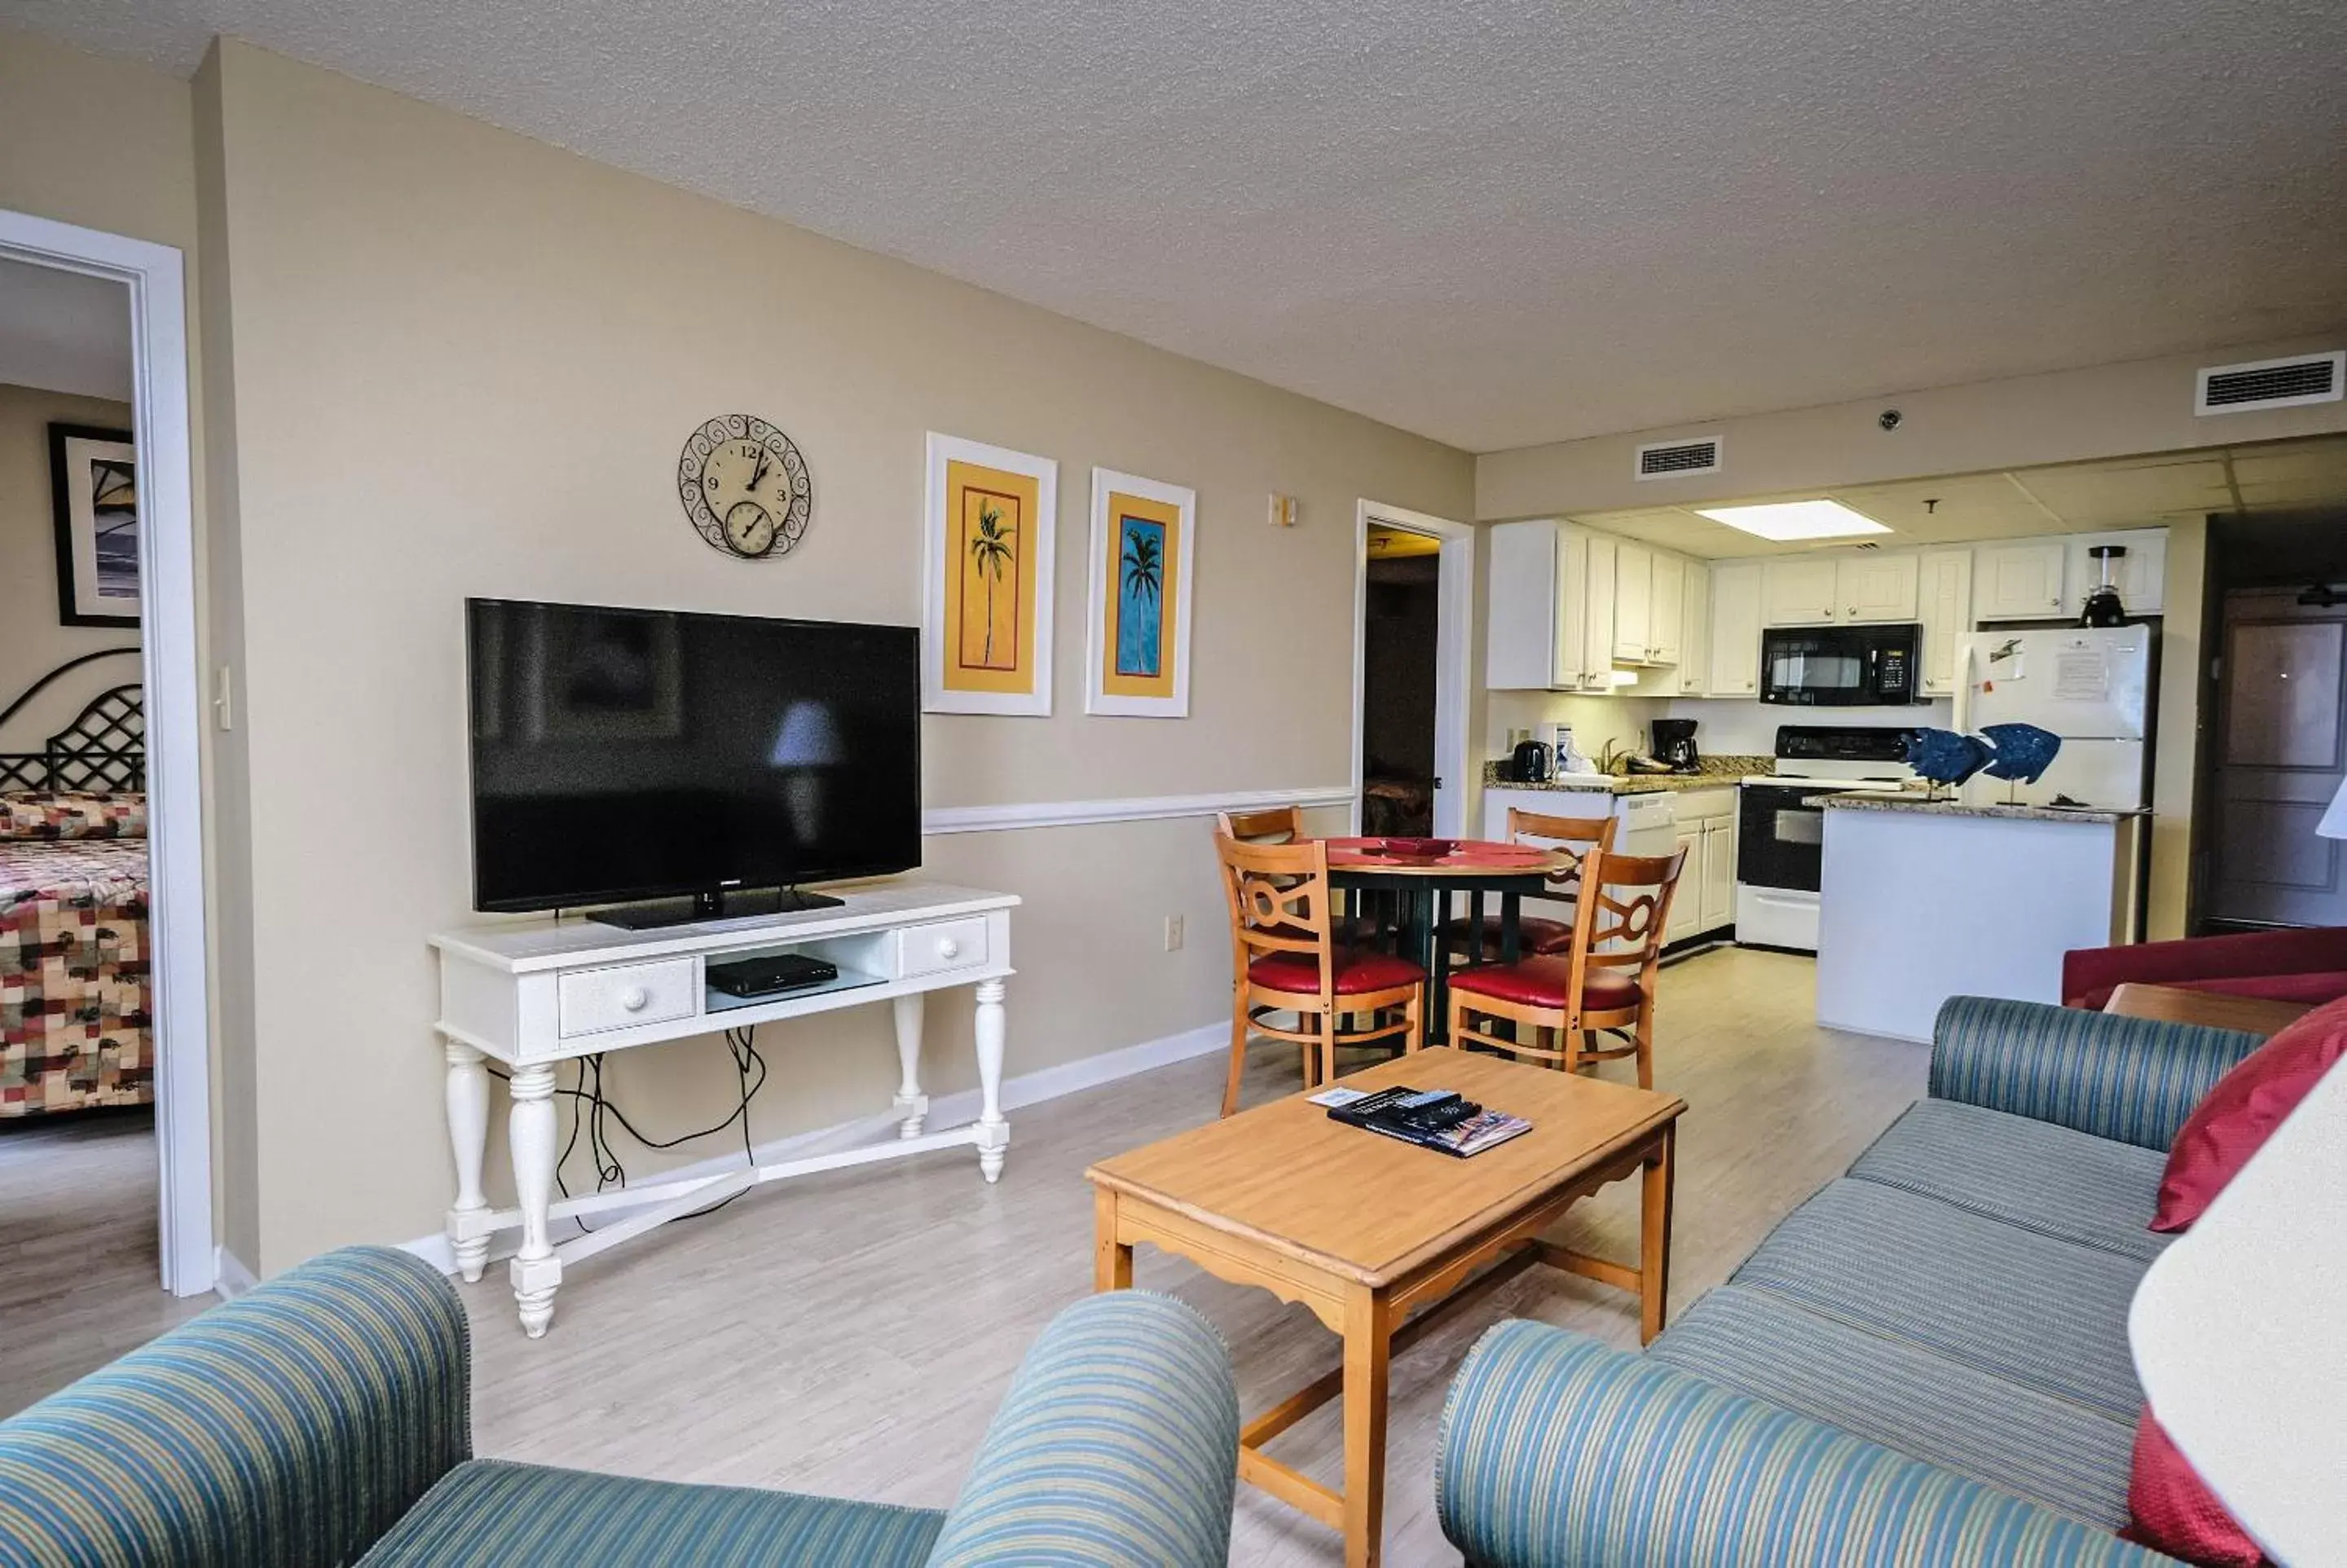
1363	1229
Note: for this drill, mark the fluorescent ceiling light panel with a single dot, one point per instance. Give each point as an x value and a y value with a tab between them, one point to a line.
1794	520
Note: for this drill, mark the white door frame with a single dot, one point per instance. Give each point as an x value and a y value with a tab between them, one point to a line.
174	705
1452	667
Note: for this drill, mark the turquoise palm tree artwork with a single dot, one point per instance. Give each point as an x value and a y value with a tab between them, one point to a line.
1141	598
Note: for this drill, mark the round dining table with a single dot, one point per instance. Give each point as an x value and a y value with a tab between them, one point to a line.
1421	887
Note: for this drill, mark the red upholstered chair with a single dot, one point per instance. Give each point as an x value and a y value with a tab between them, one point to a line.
1537	934
2294	966
1605	980
1285	959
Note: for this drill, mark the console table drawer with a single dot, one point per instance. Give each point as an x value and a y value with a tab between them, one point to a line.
948	945
591	1000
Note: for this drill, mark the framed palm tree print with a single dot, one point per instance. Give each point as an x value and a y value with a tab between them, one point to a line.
987	594
1137	656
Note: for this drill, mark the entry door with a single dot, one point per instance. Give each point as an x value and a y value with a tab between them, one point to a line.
2282	754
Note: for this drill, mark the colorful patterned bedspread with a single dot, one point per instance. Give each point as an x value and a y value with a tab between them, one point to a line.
74	992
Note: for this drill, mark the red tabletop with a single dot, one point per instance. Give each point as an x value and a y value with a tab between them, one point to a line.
1468	856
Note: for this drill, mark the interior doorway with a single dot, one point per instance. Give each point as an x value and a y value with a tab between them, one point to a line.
99	744
1413	602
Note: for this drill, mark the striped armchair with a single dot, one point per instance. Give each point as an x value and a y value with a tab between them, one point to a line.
324	1419
1925	1365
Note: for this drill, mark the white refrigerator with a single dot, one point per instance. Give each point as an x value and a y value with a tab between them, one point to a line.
2091	686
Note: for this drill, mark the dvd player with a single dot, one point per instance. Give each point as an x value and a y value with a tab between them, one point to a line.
770	974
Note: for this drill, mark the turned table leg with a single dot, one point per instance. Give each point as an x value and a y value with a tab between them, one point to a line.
993	1131
912	1105
535	1271
469	1138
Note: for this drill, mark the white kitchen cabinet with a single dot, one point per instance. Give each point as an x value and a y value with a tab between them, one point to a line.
1875	585
1693	675
1799	591
1686	909
1538	635
2140	575
1735	650
1718	885
1633	603
1604	594
1945	601
2019	581
1665	623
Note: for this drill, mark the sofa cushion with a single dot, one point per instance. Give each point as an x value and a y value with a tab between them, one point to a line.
2040	1311
2034	1175
2049	1450
489	1511
2235	1119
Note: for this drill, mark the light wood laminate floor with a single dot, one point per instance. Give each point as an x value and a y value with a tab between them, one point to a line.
852	1332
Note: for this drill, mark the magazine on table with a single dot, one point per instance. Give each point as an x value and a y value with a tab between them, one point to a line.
1439	1118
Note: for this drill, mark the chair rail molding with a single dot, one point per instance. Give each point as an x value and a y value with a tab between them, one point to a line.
1123	808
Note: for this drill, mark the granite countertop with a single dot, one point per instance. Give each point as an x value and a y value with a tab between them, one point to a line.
1713	772
1911	802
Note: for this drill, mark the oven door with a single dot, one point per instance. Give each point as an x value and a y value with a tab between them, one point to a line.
1781	835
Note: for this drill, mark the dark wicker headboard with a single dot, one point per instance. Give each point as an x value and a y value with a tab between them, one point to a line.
105	748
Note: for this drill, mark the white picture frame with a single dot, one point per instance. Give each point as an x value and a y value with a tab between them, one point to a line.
939	564
1107	554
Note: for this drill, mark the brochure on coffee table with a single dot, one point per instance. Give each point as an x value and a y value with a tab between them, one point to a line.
1433	1119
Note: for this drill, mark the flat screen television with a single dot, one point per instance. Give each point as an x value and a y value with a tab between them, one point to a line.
641	755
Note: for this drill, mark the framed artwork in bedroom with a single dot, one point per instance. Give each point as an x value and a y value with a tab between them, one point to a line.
93	485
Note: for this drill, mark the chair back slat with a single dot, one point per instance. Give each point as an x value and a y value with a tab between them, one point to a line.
1272	825
1574	836
1277	895
1633	909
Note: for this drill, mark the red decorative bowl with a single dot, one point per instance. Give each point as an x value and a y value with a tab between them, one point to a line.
1420	848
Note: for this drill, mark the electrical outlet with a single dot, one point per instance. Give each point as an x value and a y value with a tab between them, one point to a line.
1173	933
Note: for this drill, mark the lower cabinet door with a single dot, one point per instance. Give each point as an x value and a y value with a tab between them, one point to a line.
1717	884
1686	909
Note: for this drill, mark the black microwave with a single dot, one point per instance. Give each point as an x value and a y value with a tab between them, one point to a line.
1840	666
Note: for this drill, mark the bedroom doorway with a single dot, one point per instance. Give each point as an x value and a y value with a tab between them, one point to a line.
105	1097
1414	584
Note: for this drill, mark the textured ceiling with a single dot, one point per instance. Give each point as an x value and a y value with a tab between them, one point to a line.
1495	224
2278	481
63	331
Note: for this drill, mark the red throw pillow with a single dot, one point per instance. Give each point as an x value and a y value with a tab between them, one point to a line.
2240	1113
2175	1511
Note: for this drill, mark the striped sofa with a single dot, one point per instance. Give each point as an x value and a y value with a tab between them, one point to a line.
324	1419
1925	1365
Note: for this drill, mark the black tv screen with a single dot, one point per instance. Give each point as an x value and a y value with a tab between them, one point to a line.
637	754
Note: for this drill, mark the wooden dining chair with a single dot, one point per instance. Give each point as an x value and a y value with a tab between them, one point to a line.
1272	825
1536	934
1285	959
1603	981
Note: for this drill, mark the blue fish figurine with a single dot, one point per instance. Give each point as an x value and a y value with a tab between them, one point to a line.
2024	751
1945	758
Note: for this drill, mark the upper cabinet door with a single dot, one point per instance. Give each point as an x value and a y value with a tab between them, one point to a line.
2020	581
1603	599
1874	585
1521	650
2140	575
1633	604
1568	673
1694	677
1947	614
1735	631
1666	625
1799	591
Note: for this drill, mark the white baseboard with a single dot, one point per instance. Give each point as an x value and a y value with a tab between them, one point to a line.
230	1279
945	1111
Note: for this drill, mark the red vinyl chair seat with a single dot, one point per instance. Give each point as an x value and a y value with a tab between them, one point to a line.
1546	982
1535	934
1356	972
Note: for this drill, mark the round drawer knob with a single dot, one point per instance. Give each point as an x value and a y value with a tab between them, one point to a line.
948	947
634	998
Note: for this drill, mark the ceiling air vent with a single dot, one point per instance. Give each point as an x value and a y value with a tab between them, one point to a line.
2271	384
1675	460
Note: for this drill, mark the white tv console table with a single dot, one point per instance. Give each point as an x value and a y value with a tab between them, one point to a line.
536	993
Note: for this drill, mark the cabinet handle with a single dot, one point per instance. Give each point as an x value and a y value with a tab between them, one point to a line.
634	998
2052	604
948	947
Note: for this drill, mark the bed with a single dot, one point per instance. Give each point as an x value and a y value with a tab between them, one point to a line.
74	995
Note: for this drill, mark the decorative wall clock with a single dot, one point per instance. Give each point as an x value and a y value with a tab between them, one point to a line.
744	487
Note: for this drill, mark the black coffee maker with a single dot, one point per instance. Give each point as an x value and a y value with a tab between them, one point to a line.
1675	743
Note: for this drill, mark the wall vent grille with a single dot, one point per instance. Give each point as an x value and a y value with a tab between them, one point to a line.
1677	459
2273	384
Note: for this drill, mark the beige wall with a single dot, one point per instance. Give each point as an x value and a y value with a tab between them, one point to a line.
462	362
32	640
